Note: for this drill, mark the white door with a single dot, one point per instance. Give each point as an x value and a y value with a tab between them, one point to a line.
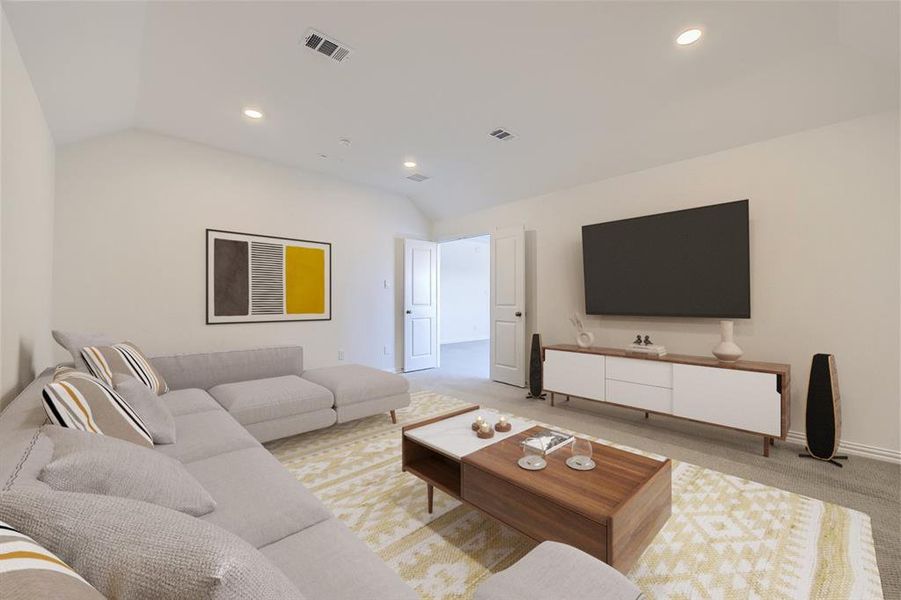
420	305
508	306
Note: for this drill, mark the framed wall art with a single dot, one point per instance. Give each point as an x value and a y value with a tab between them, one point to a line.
263	279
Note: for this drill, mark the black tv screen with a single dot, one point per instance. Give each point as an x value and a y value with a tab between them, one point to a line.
688	263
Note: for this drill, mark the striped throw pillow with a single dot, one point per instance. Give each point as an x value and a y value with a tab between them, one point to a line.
28	571
124	359
78	401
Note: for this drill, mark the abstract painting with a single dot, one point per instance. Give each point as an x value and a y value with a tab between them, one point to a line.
261	278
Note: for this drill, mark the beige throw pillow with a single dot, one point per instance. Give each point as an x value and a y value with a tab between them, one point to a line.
125	358
78	401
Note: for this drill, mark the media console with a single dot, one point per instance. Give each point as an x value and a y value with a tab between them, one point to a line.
753	397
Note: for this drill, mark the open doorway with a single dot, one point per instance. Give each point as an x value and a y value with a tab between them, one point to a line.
464	307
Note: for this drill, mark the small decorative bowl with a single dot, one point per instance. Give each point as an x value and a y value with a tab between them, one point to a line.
503	427
485	434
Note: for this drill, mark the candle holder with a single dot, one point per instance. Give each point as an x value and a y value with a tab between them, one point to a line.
477	423
485	431
503	426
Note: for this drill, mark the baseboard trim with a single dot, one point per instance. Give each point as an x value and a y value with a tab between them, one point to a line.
853	448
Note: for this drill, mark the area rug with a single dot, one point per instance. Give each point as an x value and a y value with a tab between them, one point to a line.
727	537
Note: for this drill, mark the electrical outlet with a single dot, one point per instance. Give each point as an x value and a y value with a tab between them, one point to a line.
340	354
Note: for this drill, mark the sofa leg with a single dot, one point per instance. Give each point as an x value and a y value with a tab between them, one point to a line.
431	492
393	416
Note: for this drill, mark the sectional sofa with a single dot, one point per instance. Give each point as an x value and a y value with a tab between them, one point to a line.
224	404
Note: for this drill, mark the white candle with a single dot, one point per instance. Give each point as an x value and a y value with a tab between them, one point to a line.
502	420
484	427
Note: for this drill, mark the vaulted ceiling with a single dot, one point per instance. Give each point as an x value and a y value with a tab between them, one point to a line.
591	90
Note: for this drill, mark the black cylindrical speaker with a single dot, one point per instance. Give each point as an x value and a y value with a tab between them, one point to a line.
536	369
823	418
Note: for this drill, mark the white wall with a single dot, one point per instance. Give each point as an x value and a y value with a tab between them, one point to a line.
132	209
26	226
824	258
465	272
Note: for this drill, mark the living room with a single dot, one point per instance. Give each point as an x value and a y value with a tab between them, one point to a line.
223	226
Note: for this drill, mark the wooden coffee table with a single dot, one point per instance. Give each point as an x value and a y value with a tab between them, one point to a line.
611	512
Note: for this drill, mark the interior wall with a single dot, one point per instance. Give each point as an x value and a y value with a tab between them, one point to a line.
26	225
464	294
824	209
132	210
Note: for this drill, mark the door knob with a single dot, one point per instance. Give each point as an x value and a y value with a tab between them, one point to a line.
409	312
518	314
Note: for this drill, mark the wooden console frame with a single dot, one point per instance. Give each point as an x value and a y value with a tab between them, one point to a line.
782	372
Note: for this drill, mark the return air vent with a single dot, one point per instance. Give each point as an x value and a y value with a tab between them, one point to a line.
326	45
502	134
418	177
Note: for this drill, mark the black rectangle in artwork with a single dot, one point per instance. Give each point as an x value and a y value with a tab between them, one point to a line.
231	297
693	262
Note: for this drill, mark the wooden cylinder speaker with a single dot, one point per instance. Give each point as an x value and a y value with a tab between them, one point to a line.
823	418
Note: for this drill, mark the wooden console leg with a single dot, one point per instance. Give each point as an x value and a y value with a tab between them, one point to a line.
393	416
431	492
552	398
766	446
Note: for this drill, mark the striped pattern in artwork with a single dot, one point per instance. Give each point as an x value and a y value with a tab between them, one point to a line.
125	359
26	569
267	278
79	401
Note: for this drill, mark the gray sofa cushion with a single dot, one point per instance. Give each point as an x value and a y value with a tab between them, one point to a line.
328	561
257	498
205	434
155	414
98	464
189	400
210	369
74	341
131	549
267	431
356	383
261	400
554	570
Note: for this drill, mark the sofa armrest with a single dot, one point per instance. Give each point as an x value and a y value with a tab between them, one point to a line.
209	369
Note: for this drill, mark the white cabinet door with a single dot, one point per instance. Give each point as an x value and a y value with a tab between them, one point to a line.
574	374
740	399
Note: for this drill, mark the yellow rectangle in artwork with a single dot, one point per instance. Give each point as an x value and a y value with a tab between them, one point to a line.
304	280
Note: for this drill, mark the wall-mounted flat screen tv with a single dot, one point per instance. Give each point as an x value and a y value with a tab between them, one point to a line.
688	263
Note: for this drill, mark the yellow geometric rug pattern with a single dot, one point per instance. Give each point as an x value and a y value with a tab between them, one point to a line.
727	537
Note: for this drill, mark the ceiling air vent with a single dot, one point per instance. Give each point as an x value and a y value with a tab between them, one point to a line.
318	41
502	134
417	177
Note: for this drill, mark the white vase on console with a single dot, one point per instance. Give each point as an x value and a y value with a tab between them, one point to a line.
585	339
727	350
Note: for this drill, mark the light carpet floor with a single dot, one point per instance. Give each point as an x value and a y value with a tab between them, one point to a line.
727	537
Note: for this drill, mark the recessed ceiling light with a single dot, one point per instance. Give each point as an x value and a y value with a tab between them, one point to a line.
689	36
323	156
410	164
253	113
